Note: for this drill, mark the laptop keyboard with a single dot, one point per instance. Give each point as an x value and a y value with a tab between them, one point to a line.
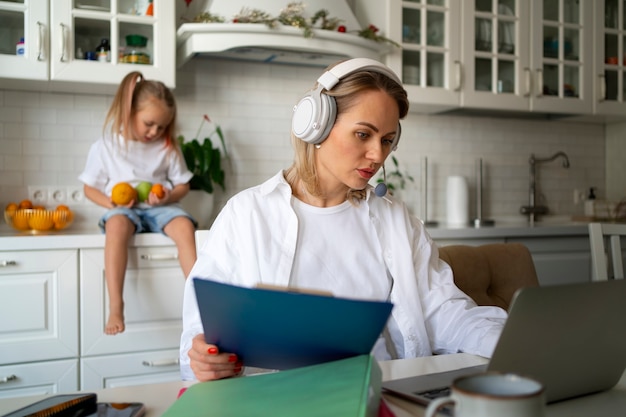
435	393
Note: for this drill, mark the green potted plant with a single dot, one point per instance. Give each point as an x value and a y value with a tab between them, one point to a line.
204	160
396	179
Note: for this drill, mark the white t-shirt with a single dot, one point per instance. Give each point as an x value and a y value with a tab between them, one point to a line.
357	271
111	161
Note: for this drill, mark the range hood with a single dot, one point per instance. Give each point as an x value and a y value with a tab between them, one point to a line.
283	44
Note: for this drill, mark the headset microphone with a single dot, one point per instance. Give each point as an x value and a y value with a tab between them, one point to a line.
381	189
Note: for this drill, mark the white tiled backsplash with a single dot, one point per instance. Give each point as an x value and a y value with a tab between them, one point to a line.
44	138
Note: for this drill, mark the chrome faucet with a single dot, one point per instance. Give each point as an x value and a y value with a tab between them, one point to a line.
533	210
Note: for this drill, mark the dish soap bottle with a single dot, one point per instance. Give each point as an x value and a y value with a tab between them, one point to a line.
590	202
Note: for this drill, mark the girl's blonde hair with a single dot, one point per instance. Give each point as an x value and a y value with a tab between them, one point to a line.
346	94
131	94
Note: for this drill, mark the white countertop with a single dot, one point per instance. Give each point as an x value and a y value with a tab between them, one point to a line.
74	237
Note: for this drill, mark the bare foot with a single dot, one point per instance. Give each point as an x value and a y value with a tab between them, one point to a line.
115	324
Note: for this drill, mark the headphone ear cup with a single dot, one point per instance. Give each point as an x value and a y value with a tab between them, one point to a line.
313	117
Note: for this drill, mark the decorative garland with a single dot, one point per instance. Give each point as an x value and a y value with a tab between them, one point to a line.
292	15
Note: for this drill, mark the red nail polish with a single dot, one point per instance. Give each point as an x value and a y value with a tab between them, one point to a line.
232	358
212	351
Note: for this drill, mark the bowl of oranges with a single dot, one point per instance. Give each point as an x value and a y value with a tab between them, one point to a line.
24	216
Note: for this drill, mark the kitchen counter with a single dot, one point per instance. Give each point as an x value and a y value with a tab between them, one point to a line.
93	238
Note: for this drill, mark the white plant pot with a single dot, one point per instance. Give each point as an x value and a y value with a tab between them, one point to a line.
199	204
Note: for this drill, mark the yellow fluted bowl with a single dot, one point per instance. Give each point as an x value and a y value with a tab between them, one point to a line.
39	220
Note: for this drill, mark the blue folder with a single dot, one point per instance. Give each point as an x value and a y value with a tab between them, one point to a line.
278	329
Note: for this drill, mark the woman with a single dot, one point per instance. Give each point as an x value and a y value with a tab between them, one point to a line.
318	225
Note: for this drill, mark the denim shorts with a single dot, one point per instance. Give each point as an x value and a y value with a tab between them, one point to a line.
150	219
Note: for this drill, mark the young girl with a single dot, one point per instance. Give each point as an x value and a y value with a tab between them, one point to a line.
138	146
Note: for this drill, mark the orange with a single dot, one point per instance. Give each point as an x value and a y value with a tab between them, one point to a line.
20	220
123	193
38	207
40	220
157	190
62	217
10	209
26	204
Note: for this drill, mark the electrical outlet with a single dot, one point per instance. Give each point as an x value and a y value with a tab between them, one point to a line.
57	195
38	194
75	195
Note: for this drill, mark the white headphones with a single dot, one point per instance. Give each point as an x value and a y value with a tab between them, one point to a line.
314	115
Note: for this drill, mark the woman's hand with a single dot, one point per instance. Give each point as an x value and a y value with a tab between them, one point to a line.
207	363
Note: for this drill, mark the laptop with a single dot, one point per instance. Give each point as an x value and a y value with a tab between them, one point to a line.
570	337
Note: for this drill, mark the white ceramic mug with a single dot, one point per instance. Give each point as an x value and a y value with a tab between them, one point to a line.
493	394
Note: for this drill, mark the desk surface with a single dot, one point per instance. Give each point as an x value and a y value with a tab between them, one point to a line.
158	397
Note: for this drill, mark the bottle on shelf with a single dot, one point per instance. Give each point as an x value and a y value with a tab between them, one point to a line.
150	9
20	48
103	51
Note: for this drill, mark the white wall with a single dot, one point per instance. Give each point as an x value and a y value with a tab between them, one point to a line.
44	138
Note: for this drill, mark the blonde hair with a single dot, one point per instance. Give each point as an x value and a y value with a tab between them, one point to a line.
346	94
132	93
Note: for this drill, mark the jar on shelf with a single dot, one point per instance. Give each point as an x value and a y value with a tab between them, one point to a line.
136	51
103	51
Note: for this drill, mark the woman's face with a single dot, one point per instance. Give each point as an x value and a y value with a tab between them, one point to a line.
151	120
358	143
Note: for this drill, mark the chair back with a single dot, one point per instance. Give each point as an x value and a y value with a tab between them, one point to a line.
491	274
606	263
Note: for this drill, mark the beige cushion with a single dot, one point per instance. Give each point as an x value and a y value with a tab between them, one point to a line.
490	274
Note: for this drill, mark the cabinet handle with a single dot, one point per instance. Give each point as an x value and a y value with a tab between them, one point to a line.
7	263
62	42
40	43
160	257
539	83
162	362
458	76
602	82
529	79
5	379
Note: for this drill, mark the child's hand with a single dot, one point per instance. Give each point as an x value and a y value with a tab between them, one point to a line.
130	204
153	200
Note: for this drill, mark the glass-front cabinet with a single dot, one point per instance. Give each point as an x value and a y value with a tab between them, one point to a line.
610	57
515	55
562	58
86	43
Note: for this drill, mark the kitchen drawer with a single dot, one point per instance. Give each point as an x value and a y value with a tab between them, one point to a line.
153	295
42	378
128	369
38	305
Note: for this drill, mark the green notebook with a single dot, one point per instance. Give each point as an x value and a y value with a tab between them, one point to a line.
343	388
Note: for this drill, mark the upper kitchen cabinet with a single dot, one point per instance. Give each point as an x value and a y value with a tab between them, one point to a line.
610	57
509	55
85	45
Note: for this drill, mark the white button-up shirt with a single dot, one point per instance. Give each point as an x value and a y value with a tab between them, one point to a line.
254	240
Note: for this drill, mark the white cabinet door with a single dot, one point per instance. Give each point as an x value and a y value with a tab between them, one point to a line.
42	378
610	57
38	305
561	56
19	20
83	27
55	31
128	369
511	55
153	295
559	260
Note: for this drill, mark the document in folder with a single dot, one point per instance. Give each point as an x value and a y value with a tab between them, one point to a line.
277	329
